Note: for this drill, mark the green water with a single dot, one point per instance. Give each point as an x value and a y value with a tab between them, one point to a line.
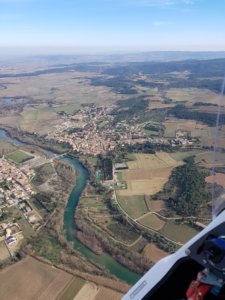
70	229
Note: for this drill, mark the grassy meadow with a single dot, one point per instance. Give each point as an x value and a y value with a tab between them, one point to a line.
18	156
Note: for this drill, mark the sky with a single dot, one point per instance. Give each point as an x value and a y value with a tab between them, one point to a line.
111	25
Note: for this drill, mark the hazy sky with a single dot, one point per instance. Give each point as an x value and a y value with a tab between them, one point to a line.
113	24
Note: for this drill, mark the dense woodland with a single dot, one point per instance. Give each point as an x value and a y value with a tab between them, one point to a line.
188	189
126	109
182	112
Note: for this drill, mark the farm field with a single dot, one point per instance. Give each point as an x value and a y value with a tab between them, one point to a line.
134	206
146	176
202	157
147	187
184	154
173	124
91	291
152	221
197	130
4	253
192	95
6	148
153	253
108	294
31	279
154	205
48	94
140	174
72	290
206	159
206	136
88	291
219	179
156	161
93	201
96	210
148	173
179	233
46	168
38	119
124	234
19	156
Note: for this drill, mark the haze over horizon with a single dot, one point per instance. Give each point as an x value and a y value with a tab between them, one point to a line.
100	26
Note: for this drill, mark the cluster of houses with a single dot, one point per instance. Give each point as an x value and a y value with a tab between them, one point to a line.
15	190
90	131
14	183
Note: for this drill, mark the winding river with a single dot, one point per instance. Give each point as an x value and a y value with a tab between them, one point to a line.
70	229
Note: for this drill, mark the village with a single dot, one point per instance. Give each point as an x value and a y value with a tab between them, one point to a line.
91	131
15	194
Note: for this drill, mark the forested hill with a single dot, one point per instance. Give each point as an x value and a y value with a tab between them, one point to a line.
120	76
204	68
206	74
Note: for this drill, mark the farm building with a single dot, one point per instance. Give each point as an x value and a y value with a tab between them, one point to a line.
121	166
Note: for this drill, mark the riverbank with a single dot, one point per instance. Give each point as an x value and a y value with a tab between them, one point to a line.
20	138
70	229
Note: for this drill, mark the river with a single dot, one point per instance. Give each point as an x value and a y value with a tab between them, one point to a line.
70	229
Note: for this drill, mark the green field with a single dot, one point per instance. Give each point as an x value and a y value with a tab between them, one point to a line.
47	168
184	154
134	206
192	95
6	148
14	213
131	156
92	202
205	159
119	176
18	156
72	290
25	226
152	221
38	119
178	232
123	233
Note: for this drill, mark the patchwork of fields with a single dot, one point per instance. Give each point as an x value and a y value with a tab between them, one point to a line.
152	221
192	95
96	210
32	279
48	94
91	291
145	176
148	173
